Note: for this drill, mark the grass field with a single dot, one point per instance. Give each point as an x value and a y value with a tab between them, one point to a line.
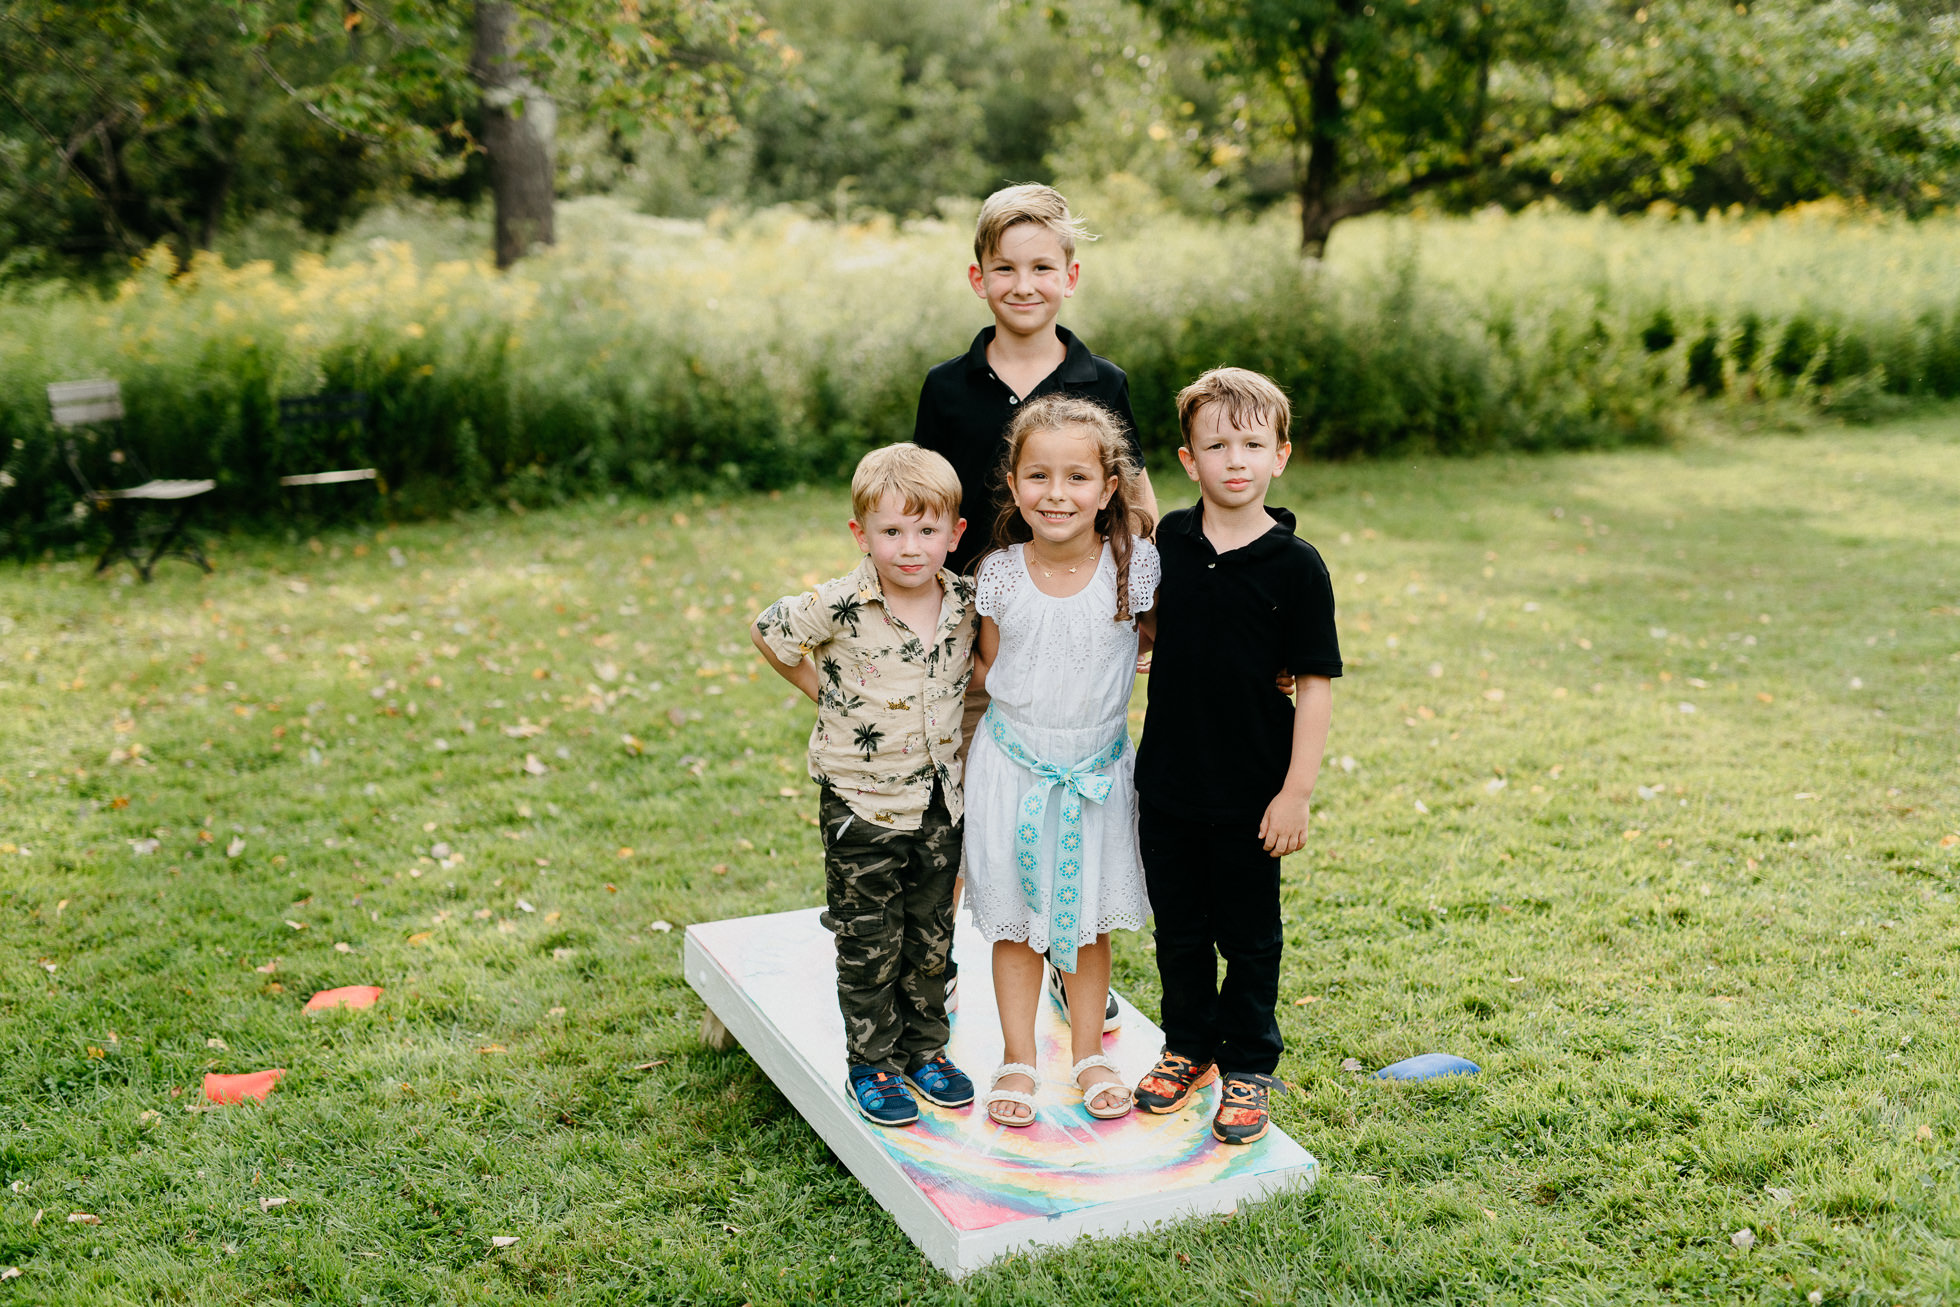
1642	793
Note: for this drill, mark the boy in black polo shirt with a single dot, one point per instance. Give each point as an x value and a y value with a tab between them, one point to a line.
1227	765
1024	266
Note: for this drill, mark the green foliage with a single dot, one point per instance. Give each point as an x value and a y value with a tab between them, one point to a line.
653	355
1736	1018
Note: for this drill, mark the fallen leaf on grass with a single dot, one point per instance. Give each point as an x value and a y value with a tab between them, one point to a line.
502	1240
788	792
1422	807
633	745
1629	834
421	937
267	1204
10	1273
347	996
560	954
1948	841
1744	1239
1806	795
215	1042
236	847
296	925
1924	1132
1310	998
1781	1197
1488	1214
625	851
662	926
1765	697
269	968
84	1218
533	767
732	1229
555	1012
522	906
678	716
343	947
648	1066
493	1048
1352	1066
720	869
150	1117
96	1054
238	1088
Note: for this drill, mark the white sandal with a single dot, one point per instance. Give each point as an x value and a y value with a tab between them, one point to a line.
995	1094
1117	1087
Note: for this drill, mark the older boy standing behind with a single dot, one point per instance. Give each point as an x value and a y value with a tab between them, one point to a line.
1024	266
1227	766
885	651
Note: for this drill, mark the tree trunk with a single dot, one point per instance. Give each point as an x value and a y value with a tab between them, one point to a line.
1323	171
519	120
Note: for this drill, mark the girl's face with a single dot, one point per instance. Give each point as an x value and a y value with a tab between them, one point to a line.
1059	485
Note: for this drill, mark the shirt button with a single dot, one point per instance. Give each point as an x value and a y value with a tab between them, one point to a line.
1211	565
1013	399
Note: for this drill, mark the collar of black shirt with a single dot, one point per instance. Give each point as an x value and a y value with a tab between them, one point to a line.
1193	526
1078	367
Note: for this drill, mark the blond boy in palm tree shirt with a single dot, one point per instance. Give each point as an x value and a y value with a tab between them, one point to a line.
886	652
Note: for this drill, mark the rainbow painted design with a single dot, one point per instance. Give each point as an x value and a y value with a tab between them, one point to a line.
979	1175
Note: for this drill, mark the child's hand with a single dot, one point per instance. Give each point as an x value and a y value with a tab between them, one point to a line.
1284	827
1143	663
1285	682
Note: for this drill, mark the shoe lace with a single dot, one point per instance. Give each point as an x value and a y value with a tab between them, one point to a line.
1245	1093
1174	1065
883	1087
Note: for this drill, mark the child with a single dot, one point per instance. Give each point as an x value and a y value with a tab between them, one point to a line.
1227	765
886	652
1051	854
1024	266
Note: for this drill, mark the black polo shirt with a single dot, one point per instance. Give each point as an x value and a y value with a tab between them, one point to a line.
1218	734
964	410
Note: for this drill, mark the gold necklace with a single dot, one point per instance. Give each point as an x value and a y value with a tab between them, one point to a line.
1046	574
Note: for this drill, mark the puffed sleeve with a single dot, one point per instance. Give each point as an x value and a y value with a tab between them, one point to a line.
999	574
1146	570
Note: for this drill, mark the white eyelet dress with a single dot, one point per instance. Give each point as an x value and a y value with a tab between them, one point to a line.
1061	679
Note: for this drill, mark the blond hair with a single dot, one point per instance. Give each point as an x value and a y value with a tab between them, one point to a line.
922	480
1248	397
1123	520
1029	202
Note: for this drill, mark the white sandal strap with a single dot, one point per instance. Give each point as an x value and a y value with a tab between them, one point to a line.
1015	1069
1009	1096
1094	1059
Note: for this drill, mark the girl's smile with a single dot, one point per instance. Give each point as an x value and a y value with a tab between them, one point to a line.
1059	486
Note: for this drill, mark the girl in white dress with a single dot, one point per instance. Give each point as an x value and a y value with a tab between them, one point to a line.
1051	842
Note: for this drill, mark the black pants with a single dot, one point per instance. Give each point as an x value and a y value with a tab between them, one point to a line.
1214	885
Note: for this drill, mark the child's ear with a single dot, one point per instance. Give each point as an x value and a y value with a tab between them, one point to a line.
1185	457
857	534
1280	456
977	279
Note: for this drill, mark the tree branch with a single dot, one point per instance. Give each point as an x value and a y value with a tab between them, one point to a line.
308	105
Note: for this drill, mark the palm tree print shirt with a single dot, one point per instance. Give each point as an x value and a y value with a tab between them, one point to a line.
888	702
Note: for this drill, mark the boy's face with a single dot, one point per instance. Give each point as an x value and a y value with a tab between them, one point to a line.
1025	280
908	549
1232	465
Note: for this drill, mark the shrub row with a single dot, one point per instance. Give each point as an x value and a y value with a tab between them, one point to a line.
660	357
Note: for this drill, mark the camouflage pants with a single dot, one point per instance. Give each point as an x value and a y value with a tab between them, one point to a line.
890	895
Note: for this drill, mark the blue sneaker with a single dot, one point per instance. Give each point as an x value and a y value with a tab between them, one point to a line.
941	1083
881	1098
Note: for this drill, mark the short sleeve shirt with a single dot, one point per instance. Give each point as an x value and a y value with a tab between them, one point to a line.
889	700
964	410
1218	734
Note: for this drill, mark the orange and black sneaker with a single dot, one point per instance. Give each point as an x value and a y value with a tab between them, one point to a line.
1242	1116
1172	1083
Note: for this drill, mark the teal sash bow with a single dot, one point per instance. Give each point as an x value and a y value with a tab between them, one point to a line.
1083	780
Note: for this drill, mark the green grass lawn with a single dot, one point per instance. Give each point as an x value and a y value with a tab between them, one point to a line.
1642	792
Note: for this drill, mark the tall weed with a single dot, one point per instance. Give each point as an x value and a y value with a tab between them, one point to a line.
771	350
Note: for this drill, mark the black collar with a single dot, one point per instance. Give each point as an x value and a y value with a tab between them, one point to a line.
1078	367
1193	527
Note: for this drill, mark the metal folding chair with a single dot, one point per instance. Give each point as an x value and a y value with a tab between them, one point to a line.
79	407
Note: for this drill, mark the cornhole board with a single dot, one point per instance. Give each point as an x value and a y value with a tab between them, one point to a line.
965	1189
